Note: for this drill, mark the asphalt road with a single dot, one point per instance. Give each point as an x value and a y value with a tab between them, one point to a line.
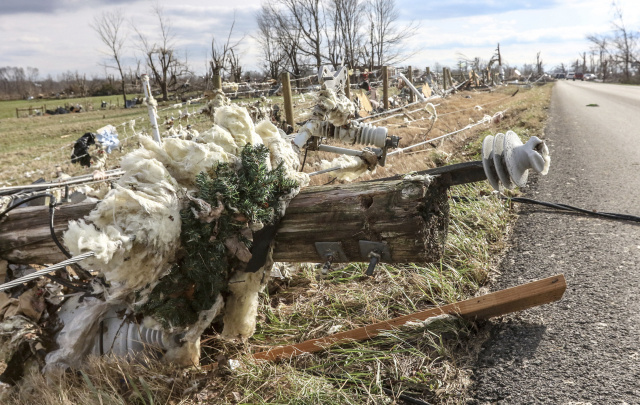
585	348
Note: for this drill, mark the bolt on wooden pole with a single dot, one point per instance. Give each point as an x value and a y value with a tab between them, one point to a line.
410	77
385	87
288	100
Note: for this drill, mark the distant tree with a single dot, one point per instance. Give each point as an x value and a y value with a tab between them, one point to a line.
539	65
625	41
161	57
600	44
110	29
308	19
272	47
225	57
385	37
347	18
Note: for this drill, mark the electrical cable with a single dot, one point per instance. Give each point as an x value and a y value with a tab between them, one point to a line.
558	206
81	273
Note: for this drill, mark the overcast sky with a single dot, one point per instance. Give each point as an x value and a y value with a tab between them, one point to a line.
56	35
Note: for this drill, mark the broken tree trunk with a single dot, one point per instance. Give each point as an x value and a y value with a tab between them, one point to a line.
487	306
409	217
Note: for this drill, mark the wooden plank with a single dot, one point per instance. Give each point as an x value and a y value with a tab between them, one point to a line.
426	90
490	305
364	102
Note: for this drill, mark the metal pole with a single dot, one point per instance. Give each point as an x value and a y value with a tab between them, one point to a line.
412	87
151	107
288	100
385	87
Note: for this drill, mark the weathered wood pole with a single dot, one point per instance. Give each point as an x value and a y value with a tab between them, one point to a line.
385	87
288	100
409	217
347	86
217	82
412	97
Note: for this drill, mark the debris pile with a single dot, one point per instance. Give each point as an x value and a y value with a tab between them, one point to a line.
174	243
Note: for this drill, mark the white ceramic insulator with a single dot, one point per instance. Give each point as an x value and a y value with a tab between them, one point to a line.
370	135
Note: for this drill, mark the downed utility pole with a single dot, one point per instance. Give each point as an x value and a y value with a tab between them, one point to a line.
406	219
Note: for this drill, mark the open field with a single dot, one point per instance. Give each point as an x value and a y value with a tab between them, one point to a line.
428	362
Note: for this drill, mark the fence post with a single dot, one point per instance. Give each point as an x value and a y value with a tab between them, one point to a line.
347	86
385	87
151	107
288	100
410	77
17	113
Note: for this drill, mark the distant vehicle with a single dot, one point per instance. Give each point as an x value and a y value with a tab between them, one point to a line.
571	76
589	76
560	76
578	75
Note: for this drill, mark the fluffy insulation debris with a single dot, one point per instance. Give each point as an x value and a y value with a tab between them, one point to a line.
338	108
351	167
163	235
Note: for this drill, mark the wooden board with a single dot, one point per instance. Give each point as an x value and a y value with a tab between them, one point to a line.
490	305
364	101
426	90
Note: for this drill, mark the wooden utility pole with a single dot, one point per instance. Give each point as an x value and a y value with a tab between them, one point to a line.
217	82
412	97
385	87
347	86
409	217
288	100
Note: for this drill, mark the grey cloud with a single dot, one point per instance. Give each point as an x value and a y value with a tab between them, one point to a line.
52	6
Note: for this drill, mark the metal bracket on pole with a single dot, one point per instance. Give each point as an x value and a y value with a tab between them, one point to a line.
151	107
375	252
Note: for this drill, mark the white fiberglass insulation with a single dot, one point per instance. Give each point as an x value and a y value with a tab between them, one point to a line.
339	109
135	229
351	167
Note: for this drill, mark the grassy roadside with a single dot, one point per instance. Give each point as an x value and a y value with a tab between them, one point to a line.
428	361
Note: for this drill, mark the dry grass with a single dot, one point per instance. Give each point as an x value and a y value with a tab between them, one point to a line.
429	362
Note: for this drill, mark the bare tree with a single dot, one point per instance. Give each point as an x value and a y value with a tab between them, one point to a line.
601	43
385	38
225	54
346	18
307	18
161	57
272	46
109	27
625	42
287	34
539	65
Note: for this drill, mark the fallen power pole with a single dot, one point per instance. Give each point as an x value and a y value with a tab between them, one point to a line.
406	220
487	306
